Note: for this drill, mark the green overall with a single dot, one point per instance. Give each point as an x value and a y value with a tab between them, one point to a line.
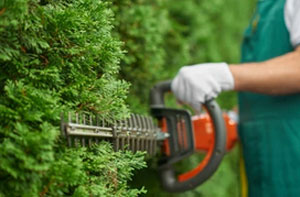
269	126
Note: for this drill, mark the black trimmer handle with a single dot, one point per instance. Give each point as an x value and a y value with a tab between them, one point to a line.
157	93
169	180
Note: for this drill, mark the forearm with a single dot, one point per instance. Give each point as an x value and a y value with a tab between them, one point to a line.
280	75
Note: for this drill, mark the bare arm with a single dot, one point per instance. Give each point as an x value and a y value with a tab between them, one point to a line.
280	75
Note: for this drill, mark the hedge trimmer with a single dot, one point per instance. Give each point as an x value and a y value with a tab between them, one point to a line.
177	135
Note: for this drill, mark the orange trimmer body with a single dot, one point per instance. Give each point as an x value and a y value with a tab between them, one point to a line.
204	132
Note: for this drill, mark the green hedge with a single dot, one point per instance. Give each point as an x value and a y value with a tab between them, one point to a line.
59	56
66	56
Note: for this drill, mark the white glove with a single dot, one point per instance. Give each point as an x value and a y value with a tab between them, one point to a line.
199	83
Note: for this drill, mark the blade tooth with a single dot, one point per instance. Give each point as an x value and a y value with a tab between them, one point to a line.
153	142
154	133
142	130
117	123
150	146
153	146
69	141
62	123
133	125
115	134
83	141
117	144
142	144
70	117
115	126
114	144
76	118
91	119
130	130
138	141
150	131
122	143
134	120
103	121
123	125
144	140
125	140
122	140
147	147
90	142
76	142
120	126
97	120
136	123
80	117
152	127
150	124
133	145
128	140
126	126
138	147
130	122
146	133
83	119
145	124
140	123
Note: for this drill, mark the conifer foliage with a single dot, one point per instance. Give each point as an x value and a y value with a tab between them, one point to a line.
59	56
142	25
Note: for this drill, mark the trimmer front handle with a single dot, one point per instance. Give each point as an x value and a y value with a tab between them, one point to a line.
181	142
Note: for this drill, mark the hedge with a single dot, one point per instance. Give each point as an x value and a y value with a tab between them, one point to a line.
99	56
59	56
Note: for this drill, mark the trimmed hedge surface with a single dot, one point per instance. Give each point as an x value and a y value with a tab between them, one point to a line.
59	56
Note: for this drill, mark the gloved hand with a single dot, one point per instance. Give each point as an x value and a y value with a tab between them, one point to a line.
199	83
